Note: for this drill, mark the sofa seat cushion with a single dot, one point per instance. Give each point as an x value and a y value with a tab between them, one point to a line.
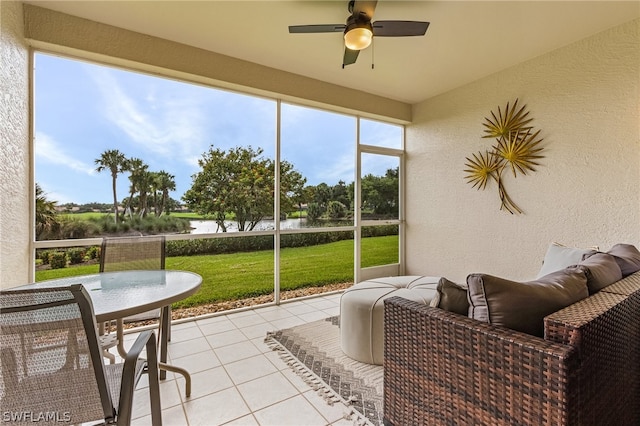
628	258
522	306
603	270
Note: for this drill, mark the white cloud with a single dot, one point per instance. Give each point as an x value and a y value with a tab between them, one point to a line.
167	126
49	151
341	168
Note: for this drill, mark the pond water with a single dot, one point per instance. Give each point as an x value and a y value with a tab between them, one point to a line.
211	227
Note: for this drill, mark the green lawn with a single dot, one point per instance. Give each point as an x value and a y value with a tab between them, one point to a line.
240	275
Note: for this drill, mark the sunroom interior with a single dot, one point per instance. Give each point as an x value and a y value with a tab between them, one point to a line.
576	65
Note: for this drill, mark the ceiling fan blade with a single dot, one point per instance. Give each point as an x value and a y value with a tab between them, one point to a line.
323	28
350	57
364	7
399	28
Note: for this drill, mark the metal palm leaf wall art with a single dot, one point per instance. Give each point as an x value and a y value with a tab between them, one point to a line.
517	147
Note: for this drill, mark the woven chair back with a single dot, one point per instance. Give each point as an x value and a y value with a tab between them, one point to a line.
132	253
51	363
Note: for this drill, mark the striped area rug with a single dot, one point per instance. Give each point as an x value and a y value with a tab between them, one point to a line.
313	351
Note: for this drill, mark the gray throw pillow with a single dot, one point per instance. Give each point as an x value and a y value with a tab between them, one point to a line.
603	270
451	297
628	258
522	306
559	257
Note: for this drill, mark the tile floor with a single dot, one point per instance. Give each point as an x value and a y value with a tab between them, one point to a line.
236	378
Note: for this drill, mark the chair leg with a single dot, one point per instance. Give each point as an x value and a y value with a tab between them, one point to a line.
154	385
163	337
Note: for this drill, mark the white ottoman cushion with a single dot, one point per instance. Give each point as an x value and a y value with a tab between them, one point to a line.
361	312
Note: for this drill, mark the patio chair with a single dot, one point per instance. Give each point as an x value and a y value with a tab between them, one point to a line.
135	253
51	362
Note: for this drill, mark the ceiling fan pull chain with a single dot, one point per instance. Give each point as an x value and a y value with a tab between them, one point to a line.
372	51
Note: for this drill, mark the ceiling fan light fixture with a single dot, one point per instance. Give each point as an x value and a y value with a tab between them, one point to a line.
358	36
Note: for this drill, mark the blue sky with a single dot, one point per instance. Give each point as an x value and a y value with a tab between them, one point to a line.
83	109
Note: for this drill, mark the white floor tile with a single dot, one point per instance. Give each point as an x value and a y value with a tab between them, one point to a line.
173	416
227	338
275	314
313	316
206	383
237	351
197	362
188	347
182	334
169	394
216	409
236	378
331	412
296	411
260	344
299	308
249	369
245	421
216	327
322	304
257	330
247	320
267	390
287	322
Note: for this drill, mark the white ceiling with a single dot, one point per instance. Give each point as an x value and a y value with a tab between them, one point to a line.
466	40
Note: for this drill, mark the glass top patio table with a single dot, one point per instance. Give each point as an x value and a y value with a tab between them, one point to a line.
116	295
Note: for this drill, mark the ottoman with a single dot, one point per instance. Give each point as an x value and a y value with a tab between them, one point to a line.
362	312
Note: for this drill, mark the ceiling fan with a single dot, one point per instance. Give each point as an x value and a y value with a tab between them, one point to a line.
359	30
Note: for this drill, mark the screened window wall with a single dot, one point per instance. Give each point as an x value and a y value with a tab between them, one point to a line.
263	198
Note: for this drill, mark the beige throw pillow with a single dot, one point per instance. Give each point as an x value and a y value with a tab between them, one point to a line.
559	257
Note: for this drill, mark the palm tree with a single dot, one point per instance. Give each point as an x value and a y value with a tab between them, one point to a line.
114	161
46	216
164	182
136	169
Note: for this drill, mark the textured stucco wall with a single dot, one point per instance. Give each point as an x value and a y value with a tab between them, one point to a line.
14	149
585	98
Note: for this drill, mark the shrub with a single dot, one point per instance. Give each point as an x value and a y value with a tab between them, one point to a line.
73	228
75	255
314	212
93	252
43	255
58	259
336	210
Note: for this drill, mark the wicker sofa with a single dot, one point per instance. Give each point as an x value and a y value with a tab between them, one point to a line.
445	368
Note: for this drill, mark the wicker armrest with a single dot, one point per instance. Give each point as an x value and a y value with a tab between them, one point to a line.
444	368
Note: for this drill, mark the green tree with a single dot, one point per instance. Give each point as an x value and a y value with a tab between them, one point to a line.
114	161
340	193
322	195
380	193
239	182
46	216
292	189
